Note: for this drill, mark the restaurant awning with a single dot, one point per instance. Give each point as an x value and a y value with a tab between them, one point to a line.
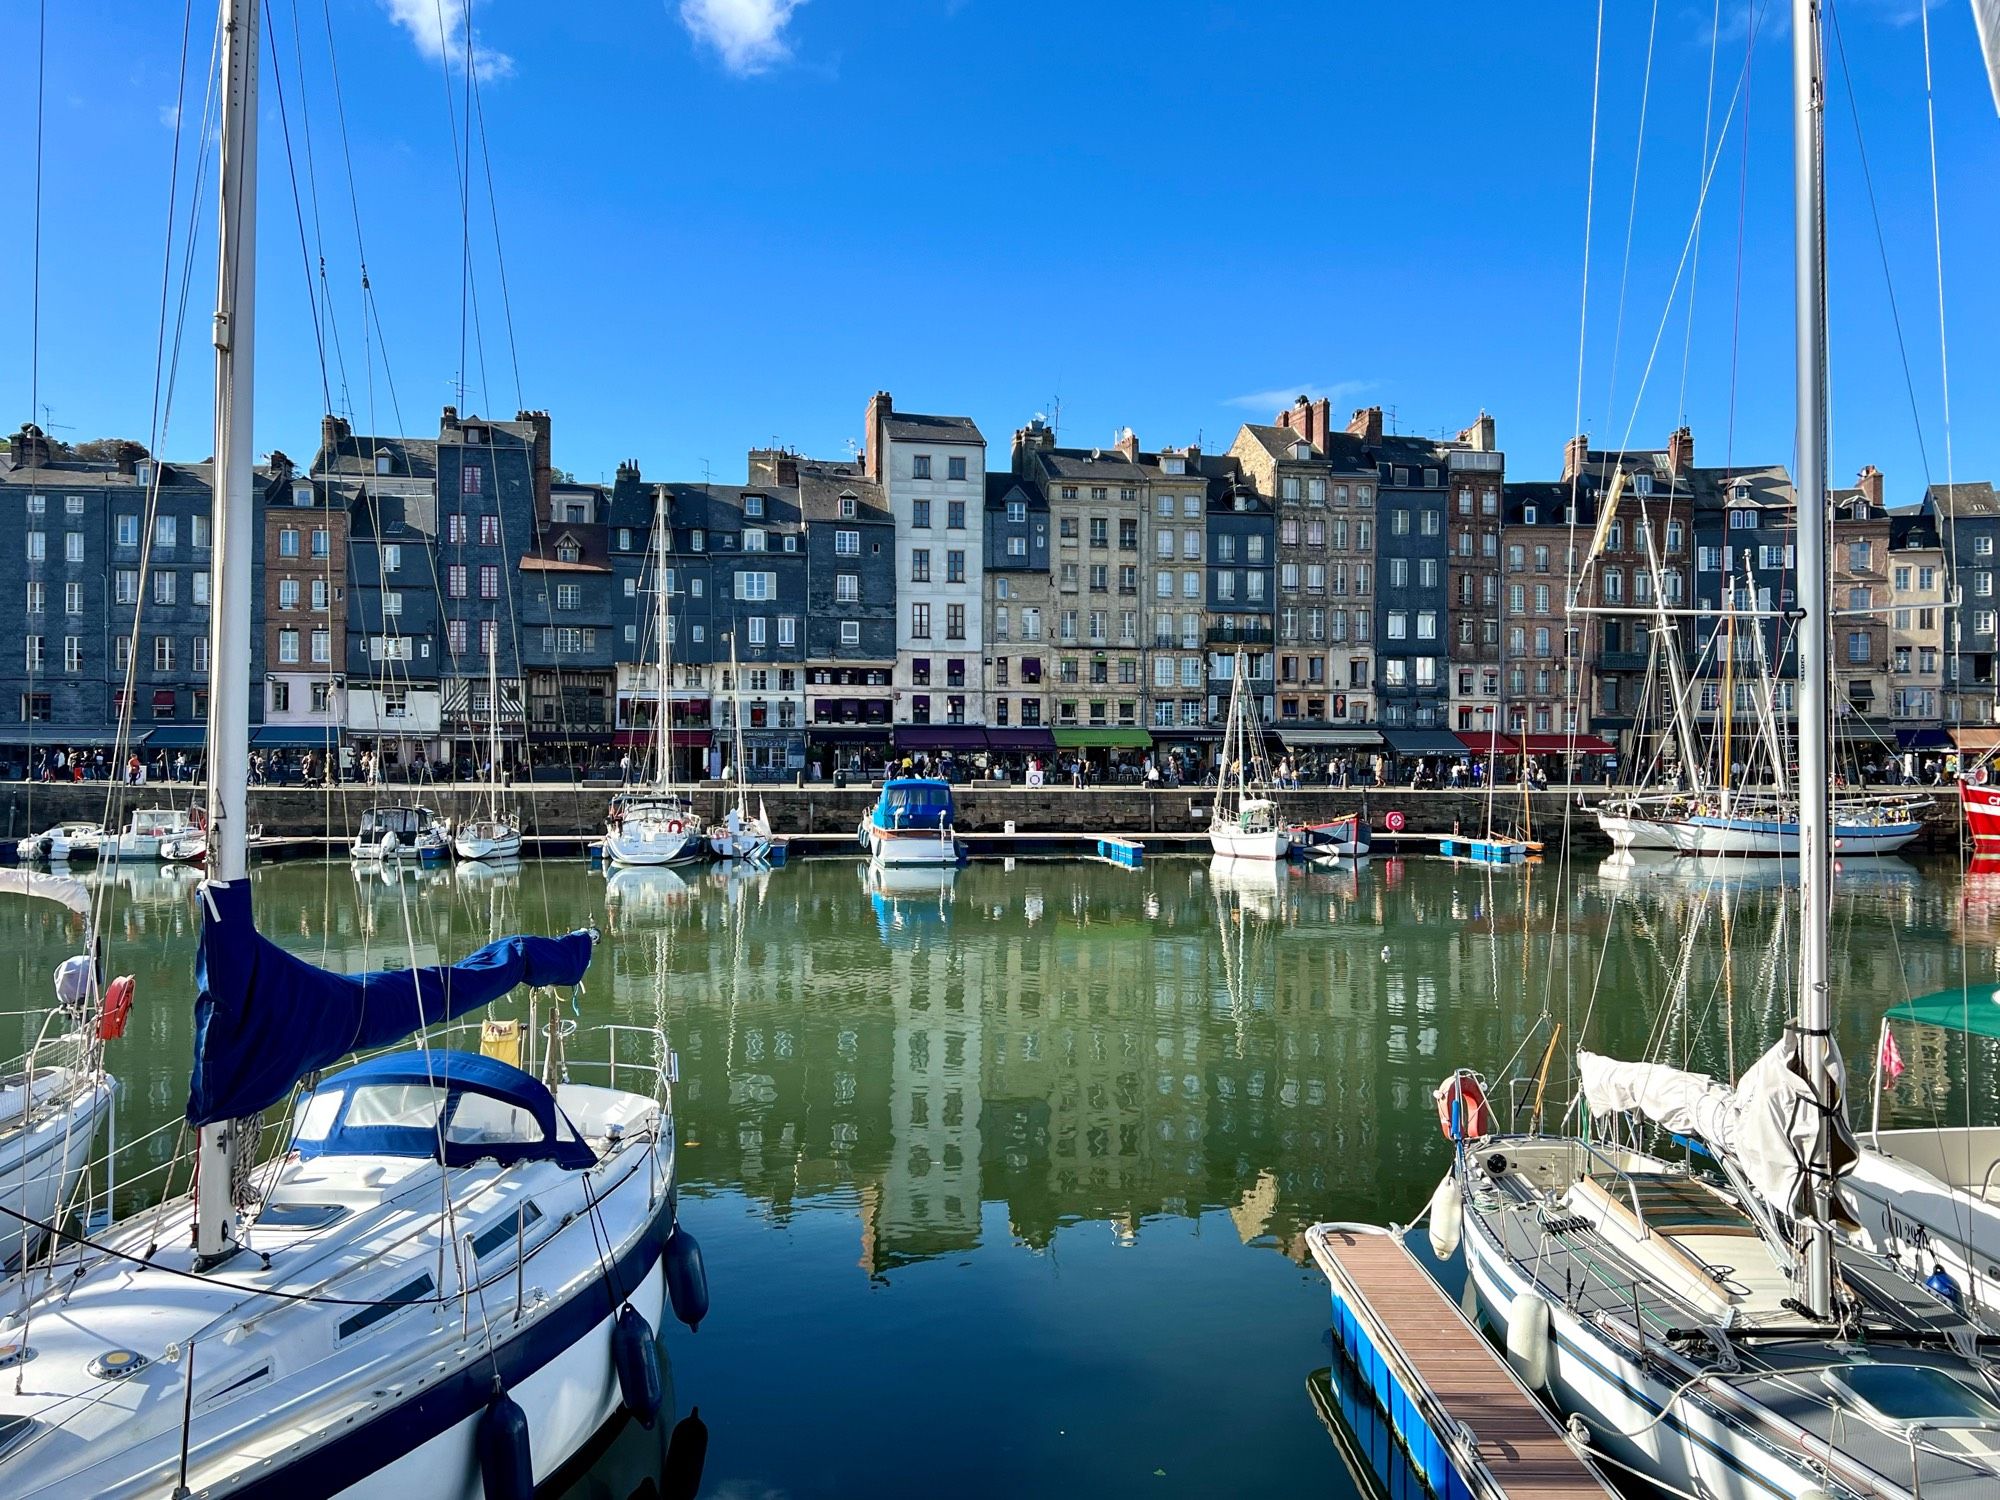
849	734
1189	732
1854	729
960	737
1326	735
1922	739
49	736
1102	737
1424	742
1488	742
1976	737
1021	740
1564	744
295	736
177	736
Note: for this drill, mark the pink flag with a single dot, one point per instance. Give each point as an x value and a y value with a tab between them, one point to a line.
1892	1057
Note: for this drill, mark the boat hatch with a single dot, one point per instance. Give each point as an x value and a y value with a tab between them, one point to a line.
456	1107
1673	1203
13	1432
503	1232
402	1297
300	1215
1903	1396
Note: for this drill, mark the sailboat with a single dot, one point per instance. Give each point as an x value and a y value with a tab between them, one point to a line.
1244	822
447	1276
53	1096
497	835
739	836
656	825
1710	1332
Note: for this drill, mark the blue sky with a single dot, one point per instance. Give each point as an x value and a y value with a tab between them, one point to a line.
729	221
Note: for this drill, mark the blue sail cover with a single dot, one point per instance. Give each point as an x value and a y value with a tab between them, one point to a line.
265	1018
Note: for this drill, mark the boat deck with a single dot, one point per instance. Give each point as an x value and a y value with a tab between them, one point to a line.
1441	1381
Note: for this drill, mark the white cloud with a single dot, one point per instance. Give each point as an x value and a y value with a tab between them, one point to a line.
437	27
170	115
748	35
1282	396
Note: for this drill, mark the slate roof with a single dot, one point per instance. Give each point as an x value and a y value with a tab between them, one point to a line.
1966	498
1342	451
916	427
823	483
409	458
1001	488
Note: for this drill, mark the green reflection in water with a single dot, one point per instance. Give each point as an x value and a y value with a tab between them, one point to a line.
1001	1174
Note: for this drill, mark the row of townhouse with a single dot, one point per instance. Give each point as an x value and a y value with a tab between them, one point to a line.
425	595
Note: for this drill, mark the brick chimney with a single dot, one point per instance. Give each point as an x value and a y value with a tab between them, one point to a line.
1480	437
1128	444
1366	424
1680	450
332	430
872	440
788	471
1869	482
1576	453
541	454
1036	437
280	463
32	449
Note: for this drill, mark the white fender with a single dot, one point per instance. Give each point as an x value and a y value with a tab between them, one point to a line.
1447	1217
1528	1339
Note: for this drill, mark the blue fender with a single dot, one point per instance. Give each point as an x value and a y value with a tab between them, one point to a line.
637	1358
506	1466
687	1281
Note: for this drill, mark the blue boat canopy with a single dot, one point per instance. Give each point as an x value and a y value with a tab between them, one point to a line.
913	802
1973	1009
265	1018
458	1107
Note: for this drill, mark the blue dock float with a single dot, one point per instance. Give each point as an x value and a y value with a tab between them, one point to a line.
1484	851
1128	853
1429	1368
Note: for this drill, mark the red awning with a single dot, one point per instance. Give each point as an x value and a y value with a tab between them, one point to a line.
1488	742
1565	744
163	698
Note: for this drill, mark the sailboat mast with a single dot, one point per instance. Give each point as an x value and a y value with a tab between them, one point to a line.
493	722
662	736
234	535
1815	811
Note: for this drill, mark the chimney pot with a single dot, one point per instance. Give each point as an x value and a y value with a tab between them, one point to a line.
1680	450
1366	424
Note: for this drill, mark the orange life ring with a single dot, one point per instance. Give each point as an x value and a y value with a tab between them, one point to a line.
117	1009
1463	1114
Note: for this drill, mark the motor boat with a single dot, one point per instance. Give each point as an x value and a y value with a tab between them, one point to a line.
1342	838
912	823
150	827
65	843
400	833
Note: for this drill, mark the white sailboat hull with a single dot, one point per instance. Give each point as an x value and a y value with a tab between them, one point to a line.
40	1166
1927	1199
1231	843
648	843
1771	838
487	841
1629	832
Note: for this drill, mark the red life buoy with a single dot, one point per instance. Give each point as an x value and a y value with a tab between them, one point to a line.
1462	1110
675	825
1393	822
117	1009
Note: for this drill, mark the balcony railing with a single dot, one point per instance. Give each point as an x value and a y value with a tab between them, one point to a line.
1248	635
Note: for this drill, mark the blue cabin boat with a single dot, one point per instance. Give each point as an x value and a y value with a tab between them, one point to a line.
913	822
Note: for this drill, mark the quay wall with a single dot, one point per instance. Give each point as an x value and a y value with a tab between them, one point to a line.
567	811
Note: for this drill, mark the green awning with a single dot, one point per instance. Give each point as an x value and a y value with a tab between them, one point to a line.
1975	1010
1103	739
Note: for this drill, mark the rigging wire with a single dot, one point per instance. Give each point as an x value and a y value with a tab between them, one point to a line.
1632	210
1694	271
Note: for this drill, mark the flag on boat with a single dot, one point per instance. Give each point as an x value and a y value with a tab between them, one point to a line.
1986	16
1892	1056
265	1018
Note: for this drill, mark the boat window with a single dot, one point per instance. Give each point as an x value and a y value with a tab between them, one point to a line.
404	1104
502	1233
316	1114
1904	1395
299	1215
482	1120
236	1385
403	1296
14	1431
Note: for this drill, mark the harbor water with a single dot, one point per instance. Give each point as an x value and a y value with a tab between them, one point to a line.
1002	1174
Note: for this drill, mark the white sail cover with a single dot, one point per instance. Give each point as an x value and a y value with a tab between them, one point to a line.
65	890
1766	1125
1986	16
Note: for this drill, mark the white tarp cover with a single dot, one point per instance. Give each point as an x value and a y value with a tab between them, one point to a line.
1766	1125
66	890
1986	16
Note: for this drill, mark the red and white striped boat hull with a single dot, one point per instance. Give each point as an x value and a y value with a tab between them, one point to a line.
1982	815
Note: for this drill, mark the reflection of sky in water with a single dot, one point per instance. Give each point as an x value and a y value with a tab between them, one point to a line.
1001	1172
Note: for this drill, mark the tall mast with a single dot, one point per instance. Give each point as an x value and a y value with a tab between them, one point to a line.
493	722
662	737
230	607
1815	812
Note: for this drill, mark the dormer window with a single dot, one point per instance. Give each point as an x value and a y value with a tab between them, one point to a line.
696	540
753	540
847	507
753	507
302	492
1174	465
1642	484
476	435
1527	515
381	463
568	551
1302	450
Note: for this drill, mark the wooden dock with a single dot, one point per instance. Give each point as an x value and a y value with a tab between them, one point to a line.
1471	1428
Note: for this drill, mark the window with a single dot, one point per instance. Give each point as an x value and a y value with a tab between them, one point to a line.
489	581
165	530
569	596
37	597
1982	546
73	652
954	510
455	636
72	598
954	617
847	544
281	697
920	621
392	603
456	578
166	588
288	592
755	625
73	546
920	565
163	653
38	546
470	478
392	557
199	654
489	532
128	531
850	633
35	658
755	540
125	586
920	466
322	543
